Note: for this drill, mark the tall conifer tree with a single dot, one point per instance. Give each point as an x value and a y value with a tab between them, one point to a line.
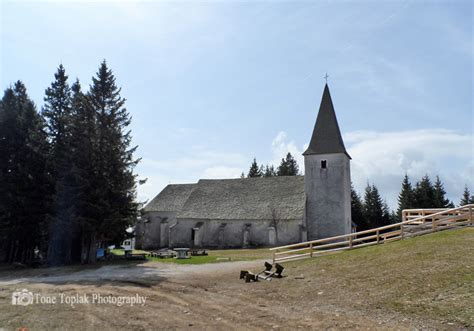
373	207
24	179
467	198
288	166
57	112
116	163
439	196
357	210
405	197
424	193
255	170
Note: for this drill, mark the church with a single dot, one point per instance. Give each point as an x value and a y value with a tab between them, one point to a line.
261	211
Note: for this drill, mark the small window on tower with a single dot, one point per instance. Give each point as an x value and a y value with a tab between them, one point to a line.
324	164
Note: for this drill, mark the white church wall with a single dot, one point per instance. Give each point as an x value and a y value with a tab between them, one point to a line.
148	230
231	233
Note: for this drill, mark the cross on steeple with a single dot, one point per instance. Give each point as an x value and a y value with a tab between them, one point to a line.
326	77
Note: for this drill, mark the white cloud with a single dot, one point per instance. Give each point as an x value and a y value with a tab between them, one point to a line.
281	146
198	164
384	158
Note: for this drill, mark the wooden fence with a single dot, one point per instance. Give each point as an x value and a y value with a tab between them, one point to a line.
414	222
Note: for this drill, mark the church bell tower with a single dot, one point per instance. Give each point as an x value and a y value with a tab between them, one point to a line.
327	177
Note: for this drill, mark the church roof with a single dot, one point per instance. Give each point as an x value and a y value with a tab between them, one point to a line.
172	198
326	138
238	199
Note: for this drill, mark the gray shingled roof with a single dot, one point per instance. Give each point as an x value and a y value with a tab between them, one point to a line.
247	198
326	138
172	198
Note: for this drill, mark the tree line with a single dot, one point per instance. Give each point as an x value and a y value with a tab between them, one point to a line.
288	167
67	181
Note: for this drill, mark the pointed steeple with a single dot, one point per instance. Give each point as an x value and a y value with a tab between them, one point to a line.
326	138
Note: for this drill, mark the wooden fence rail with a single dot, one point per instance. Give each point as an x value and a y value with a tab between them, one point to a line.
414	222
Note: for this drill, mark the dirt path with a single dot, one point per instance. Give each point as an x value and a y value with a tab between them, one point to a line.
203	297
146	271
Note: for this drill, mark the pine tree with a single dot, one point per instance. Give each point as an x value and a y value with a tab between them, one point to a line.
117	180
386	215
84	176
288	166
424	193
373	207
357	210
254	170
439	196
57	112
269	171
405	197
466	197
24	180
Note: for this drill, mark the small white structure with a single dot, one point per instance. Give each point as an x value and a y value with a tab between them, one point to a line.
129	244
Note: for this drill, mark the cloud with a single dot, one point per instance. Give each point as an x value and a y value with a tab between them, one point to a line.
198	164
281	146
384	158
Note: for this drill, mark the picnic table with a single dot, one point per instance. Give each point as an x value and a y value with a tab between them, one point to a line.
182	253
197	252
162	254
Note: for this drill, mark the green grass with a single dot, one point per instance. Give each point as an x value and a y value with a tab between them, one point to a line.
430	276
215	256
120	251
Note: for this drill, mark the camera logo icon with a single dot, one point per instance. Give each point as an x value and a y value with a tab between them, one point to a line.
22	298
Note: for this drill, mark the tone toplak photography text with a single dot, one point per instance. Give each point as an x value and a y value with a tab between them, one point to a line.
24	297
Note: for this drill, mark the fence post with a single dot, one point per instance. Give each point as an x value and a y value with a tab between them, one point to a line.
378	238
350	241
470	215
311	250
274	257
401	230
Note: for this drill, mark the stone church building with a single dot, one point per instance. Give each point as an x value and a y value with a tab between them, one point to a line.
262	211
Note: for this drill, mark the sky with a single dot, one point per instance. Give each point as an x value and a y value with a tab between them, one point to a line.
212	84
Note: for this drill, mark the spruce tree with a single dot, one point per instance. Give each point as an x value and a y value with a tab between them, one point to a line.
288	166
57	112
424	193
254	170
117	181
439	196
405	197
386	215
24	179
357	210
466	197
269	171
373	207
84	176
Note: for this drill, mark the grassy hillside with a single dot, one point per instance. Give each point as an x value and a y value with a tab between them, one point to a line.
428	277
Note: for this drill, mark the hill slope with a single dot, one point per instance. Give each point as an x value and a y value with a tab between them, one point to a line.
429	277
